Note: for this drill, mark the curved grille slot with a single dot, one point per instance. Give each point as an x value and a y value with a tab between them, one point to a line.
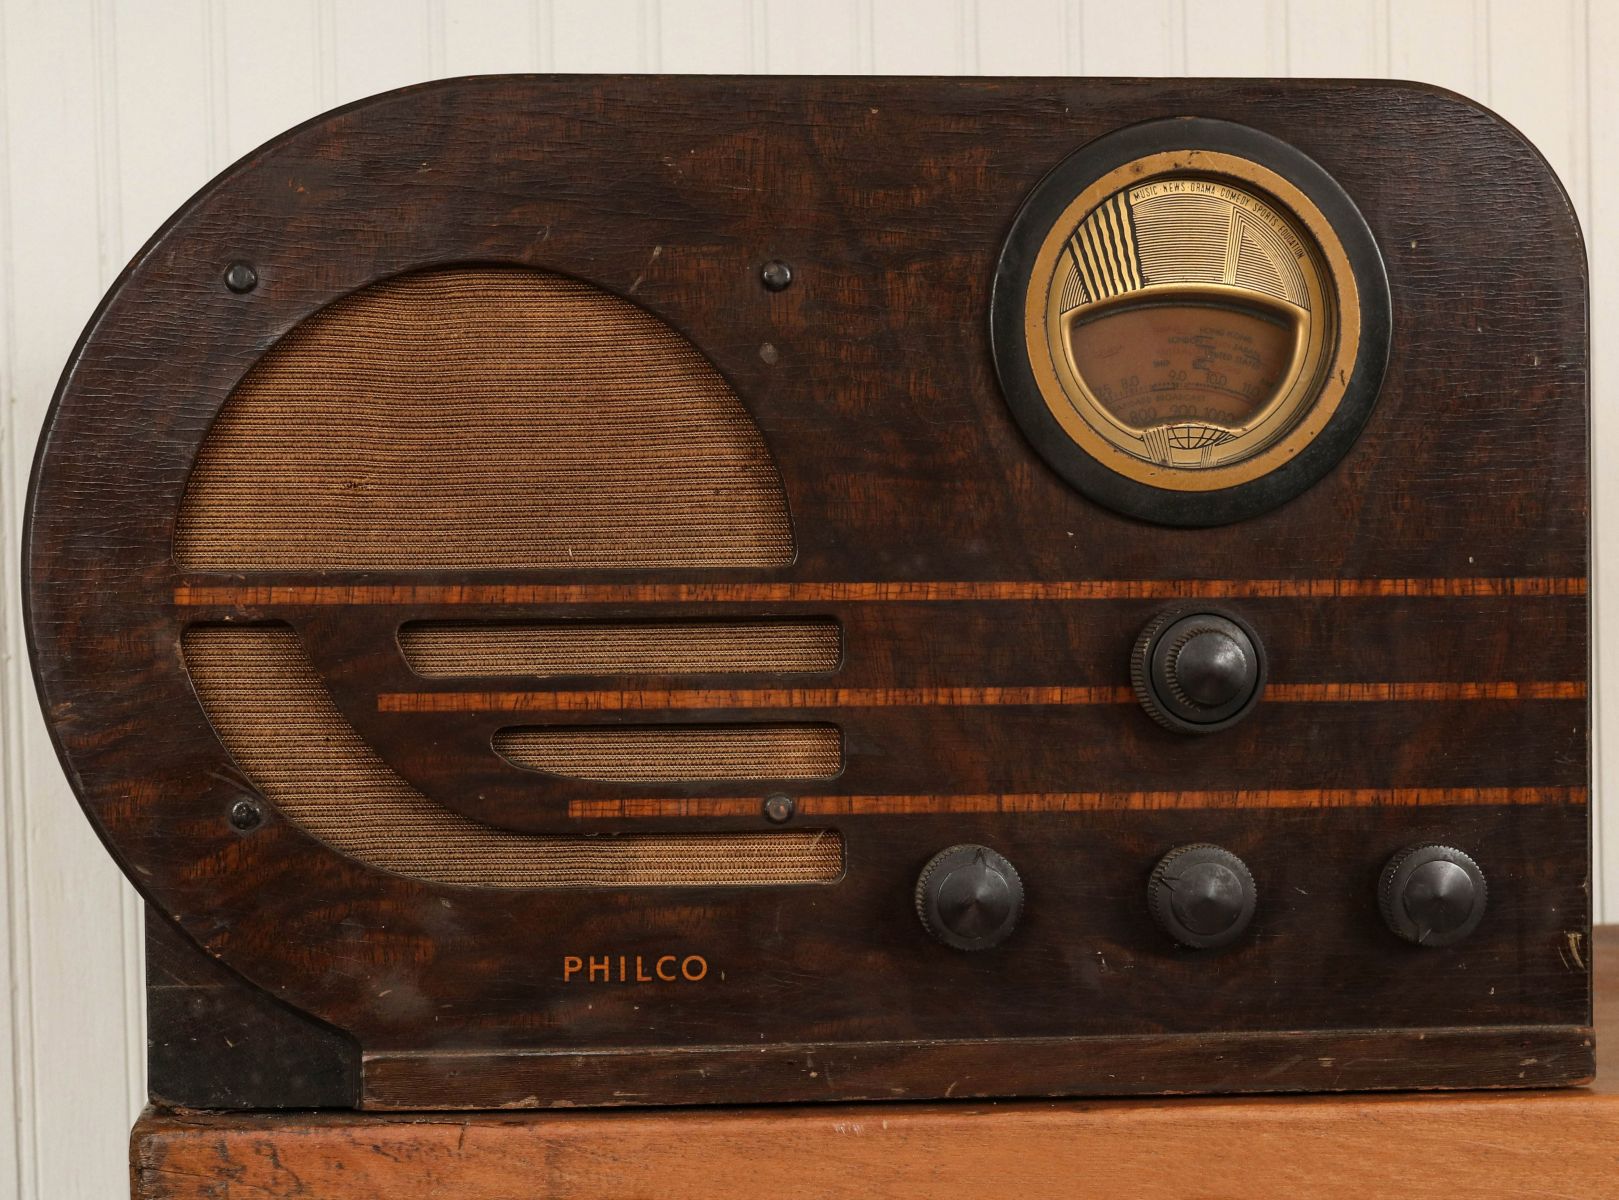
648	754
443	649
277	720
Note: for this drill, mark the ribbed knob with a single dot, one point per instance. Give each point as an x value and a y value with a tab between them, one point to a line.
969	897
1202	896
1196	672
1432	895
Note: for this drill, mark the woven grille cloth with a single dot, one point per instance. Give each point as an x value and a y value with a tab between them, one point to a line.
482	418
646	754
279	723
446	649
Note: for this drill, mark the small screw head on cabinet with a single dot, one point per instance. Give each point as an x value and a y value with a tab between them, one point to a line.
246	815
776	275
241	277
779	808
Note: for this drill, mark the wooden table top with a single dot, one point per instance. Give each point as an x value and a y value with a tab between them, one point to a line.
1410	1145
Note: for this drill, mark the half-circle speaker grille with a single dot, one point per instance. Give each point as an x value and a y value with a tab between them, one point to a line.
277	720
485	417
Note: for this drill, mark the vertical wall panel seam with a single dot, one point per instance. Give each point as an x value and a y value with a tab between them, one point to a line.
109	240
1599	760
24	1159
1579	140
321	40
545	32
109	261
1382	39
109	183
1186	40
1177	37
759	43
1073	55
433	18
430	52
130	911
651	28
218	95
109	216
326	55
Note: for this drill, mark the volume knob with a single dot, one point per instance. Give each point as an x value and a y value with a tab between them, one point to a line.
1432	895
969	897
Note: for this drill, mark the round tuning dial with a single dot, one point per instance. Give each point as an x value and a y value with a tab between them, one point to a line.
969	897
1202	896
1190	321
1197	672
1432	895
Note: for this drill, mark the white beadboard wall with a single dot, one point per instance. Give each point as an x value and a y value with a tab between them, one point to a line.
112	112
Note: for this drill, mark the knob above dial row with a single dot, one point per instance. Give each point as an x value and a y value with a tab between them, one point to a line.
1197	671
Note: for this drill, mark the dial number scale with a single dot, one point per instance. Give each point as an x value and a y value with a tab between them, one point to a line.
1191	320
1200	371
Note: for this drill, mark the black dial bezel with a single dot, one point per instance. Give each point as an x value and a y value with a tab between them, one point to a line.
1095	478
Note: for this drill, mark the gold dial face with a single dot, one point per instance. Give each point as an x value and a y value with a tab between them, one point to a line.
1191	320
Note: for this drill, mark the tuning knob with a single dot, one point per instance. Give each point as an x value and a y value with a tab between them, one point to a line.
969	897
1196	672
1432	895
1202	896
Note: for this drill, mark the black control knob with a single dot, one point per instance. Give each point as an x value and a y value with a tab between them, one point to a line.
1432	895
1198	671
1202	896
969	897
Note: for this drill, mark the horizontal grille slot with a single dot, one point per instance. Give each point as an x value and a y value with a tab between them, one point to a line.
648	754
443	649
274	715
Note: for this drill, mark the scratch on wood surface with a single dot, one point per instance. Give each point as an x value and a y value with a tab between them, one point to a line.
656	251
1574	937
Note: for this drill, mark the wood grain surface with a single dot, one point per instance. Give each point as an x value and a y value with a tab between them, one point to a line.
1420	1147
1424	610
86	190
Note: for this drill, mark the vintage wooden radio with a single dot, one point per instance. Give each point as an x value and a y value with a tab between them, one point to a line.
590	591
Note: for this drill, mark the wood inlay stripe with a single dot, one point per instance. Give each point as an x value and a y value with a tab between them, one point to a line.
308	595
637	701
938	697
1042	802
1340	693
